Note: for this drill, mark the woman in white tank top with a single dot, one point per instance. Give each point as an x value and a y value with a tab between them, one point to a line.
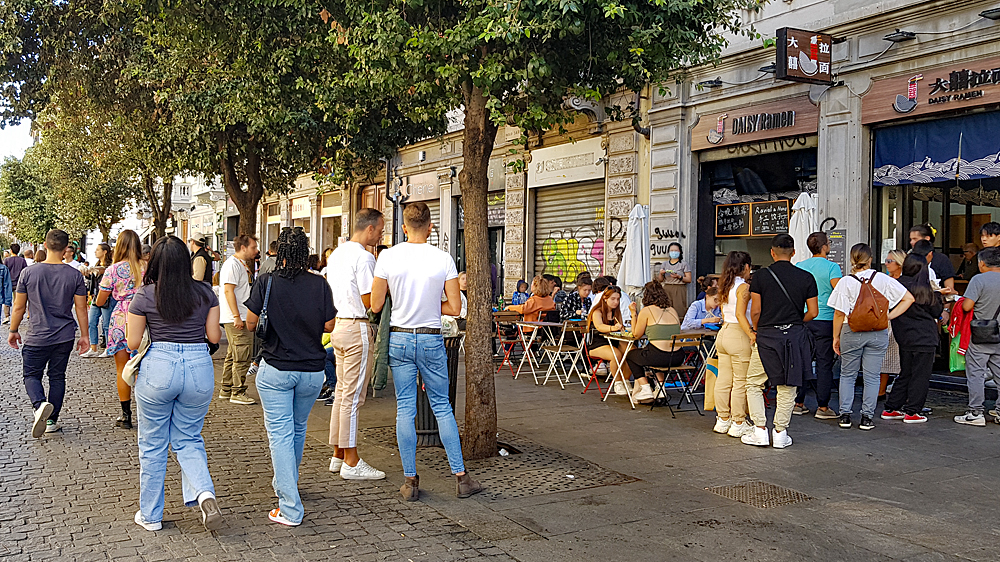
734	347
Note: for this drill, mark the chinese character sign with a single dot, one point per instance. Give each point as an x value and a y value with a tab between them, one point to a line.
804	56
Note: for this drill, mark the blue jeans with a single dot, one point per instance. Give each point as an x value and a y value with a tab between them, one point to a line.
861	351
102	315
331	368
409	353
172	392
287	398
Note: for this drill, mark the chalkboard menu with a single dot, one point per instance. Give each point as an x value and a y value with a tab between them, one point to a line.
838	248
769	218
732	220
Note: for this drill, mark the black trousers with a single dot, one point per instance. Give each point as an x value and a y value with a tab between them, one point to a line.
823	355
652	356
34	360
909	392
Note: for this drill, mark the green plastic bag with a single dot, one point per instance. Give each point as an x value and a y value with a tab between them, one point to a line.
956	362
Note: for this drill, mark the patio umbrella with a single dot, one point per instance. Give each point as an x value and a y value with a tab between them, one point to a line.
802	224
634	270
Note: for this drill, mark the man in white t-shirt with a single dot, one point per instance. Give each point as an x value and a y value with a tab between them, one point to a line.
235	279
350	271
69	258
415	274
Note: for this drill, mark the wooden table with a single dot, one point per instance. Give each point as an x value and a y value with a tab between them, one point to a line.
535	328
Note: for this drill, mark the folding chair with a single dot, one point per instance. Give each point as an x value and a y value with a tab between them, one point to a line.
505	322
556	353
681	377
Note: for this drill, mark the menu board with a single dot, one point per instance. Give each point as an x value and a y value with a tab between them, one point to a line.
769	218
838	248
732	220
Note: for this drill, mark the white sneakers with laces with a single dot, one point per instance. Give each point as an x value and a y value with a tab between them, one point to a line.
781	439
363	471
335	464
757	437
148	525
721	425
738	430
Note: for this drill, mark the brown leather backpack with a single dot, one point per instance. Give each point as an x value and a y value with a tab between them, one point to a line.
871	310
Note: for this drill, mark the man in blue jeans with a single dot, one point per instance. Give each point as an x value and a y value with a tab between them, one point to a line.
415	274
51	291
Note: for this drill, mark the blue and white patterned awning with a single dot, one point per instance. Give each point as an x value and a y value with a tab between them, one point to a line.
935	151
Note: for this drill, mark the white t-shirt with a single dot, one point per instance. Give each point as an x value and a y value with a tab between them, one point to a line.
233	273
845	294
623	305
350	270
29	261
75	265
416	274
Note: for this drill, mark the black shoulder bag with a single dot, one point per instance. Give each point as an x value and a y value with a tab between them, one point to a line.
986	332
261	330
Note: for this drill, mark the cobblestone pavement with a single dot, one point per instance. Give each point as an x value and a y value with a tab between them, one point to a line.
72	495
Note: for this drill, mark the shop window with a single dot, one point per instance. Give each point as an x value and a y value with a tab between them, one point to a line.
273	210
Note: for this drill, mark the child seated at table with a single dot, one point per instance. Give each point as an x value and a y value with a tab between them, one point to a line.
520	296
704	313
659	323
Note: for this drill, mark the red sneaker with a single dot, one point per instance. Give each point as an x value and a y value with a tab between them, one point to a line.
915	418
893	415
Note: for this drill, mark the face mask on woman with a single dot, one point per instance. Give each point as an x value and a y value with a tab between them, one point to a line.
675	255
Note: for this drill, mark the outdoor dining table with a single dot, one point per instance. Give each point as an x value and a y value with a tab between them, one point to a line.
536	327
704	352
630	343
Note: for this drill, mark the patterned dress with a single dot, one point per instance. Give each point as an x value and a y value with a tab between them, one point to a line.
118	279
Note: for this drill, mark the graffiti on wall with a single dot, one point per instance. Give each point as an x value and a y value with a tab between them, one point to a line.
616	242
568	252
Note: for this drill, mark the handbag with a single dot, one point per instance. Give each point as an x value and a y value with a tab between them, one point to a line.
132	367
985	332
262	323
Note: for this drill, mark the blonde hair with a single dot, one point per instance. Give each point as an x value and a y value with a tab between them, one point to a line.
540	286
861	257
897	256
128	248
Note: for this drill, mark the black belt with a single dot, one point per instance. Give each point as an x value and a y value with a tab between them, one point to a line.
432	331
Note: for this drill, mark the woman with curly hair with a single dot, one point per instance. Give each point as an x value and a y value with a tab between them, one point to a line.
657	321
121	280
734	346
299	311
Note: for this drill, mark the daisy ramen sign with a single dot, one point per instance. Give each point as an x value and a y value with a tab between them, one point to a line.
790	117
803	56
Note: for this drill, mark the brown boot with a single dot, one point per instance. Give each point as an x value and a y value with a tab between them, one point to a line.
411	489
467	486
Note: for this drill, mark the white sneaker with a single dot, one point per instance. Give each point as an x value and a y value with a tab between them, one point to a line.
363	471
781	440
149	526
642	393
971	418
52	426
276	516
104	354
740	429
620	389
41	416
721	425
90	353
335	464
757	437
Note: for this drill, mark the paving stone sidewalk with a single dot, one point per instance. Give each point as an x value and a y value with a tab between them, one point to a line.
72	495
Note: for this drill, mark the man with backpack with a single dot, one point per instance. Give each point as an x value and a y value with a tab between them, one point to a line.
866	300
982	360
779	295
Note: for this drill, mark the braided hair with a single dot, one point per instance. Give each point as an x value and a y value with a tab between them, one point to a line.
293	252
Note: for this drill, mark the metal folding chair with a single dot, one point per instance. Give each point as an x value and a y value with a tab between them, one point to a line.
681	377
505	321
563	350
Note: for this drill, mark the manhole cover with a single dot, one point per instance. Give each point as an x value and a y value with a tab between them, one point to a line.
535	470
760	494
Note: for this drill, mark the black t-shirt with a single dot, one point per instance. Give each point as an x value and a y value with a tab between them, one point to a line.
941	264
775	308
297	311
191	330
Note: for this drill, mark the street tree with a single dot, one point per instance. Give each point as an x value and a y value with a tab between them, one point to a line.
515	62
26	198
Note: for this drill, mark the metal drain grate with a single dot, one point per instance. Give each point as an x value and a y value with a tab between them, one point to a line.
536	470
760	494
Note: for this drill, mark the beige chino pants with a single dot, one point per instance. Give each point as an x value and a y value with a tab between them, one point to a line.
733	348
756	381
354	347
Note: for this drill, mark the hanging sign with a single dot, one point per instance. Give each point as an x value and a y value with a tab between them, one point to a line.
943	88
803	56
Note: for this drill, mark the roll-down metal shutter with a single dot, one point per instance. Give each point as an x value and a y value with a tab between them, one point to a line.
569	230
435	208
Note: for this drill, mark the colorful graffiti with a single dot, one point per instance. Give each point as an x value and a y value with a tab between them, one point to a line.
569	252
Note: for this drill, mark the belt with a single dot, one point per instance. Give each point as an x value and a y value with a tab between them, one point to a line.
365	319
432	331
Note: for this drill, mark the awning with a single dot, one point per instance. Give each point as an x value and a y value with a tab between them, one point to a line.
935	151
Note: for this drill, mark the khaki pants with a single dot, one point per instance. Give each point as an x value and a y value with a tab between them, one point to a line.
354	347
756	381
238	357
733	347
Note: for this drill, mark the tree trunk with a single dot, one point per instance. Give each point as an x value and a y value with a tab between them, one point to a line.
246	201
480	440
105	233
162	215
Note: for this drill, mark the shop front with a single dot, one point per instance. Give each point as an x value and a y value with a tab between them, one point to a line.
330	219
273	218
936	160
301	214
566	185
424	187
495	209
754	161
